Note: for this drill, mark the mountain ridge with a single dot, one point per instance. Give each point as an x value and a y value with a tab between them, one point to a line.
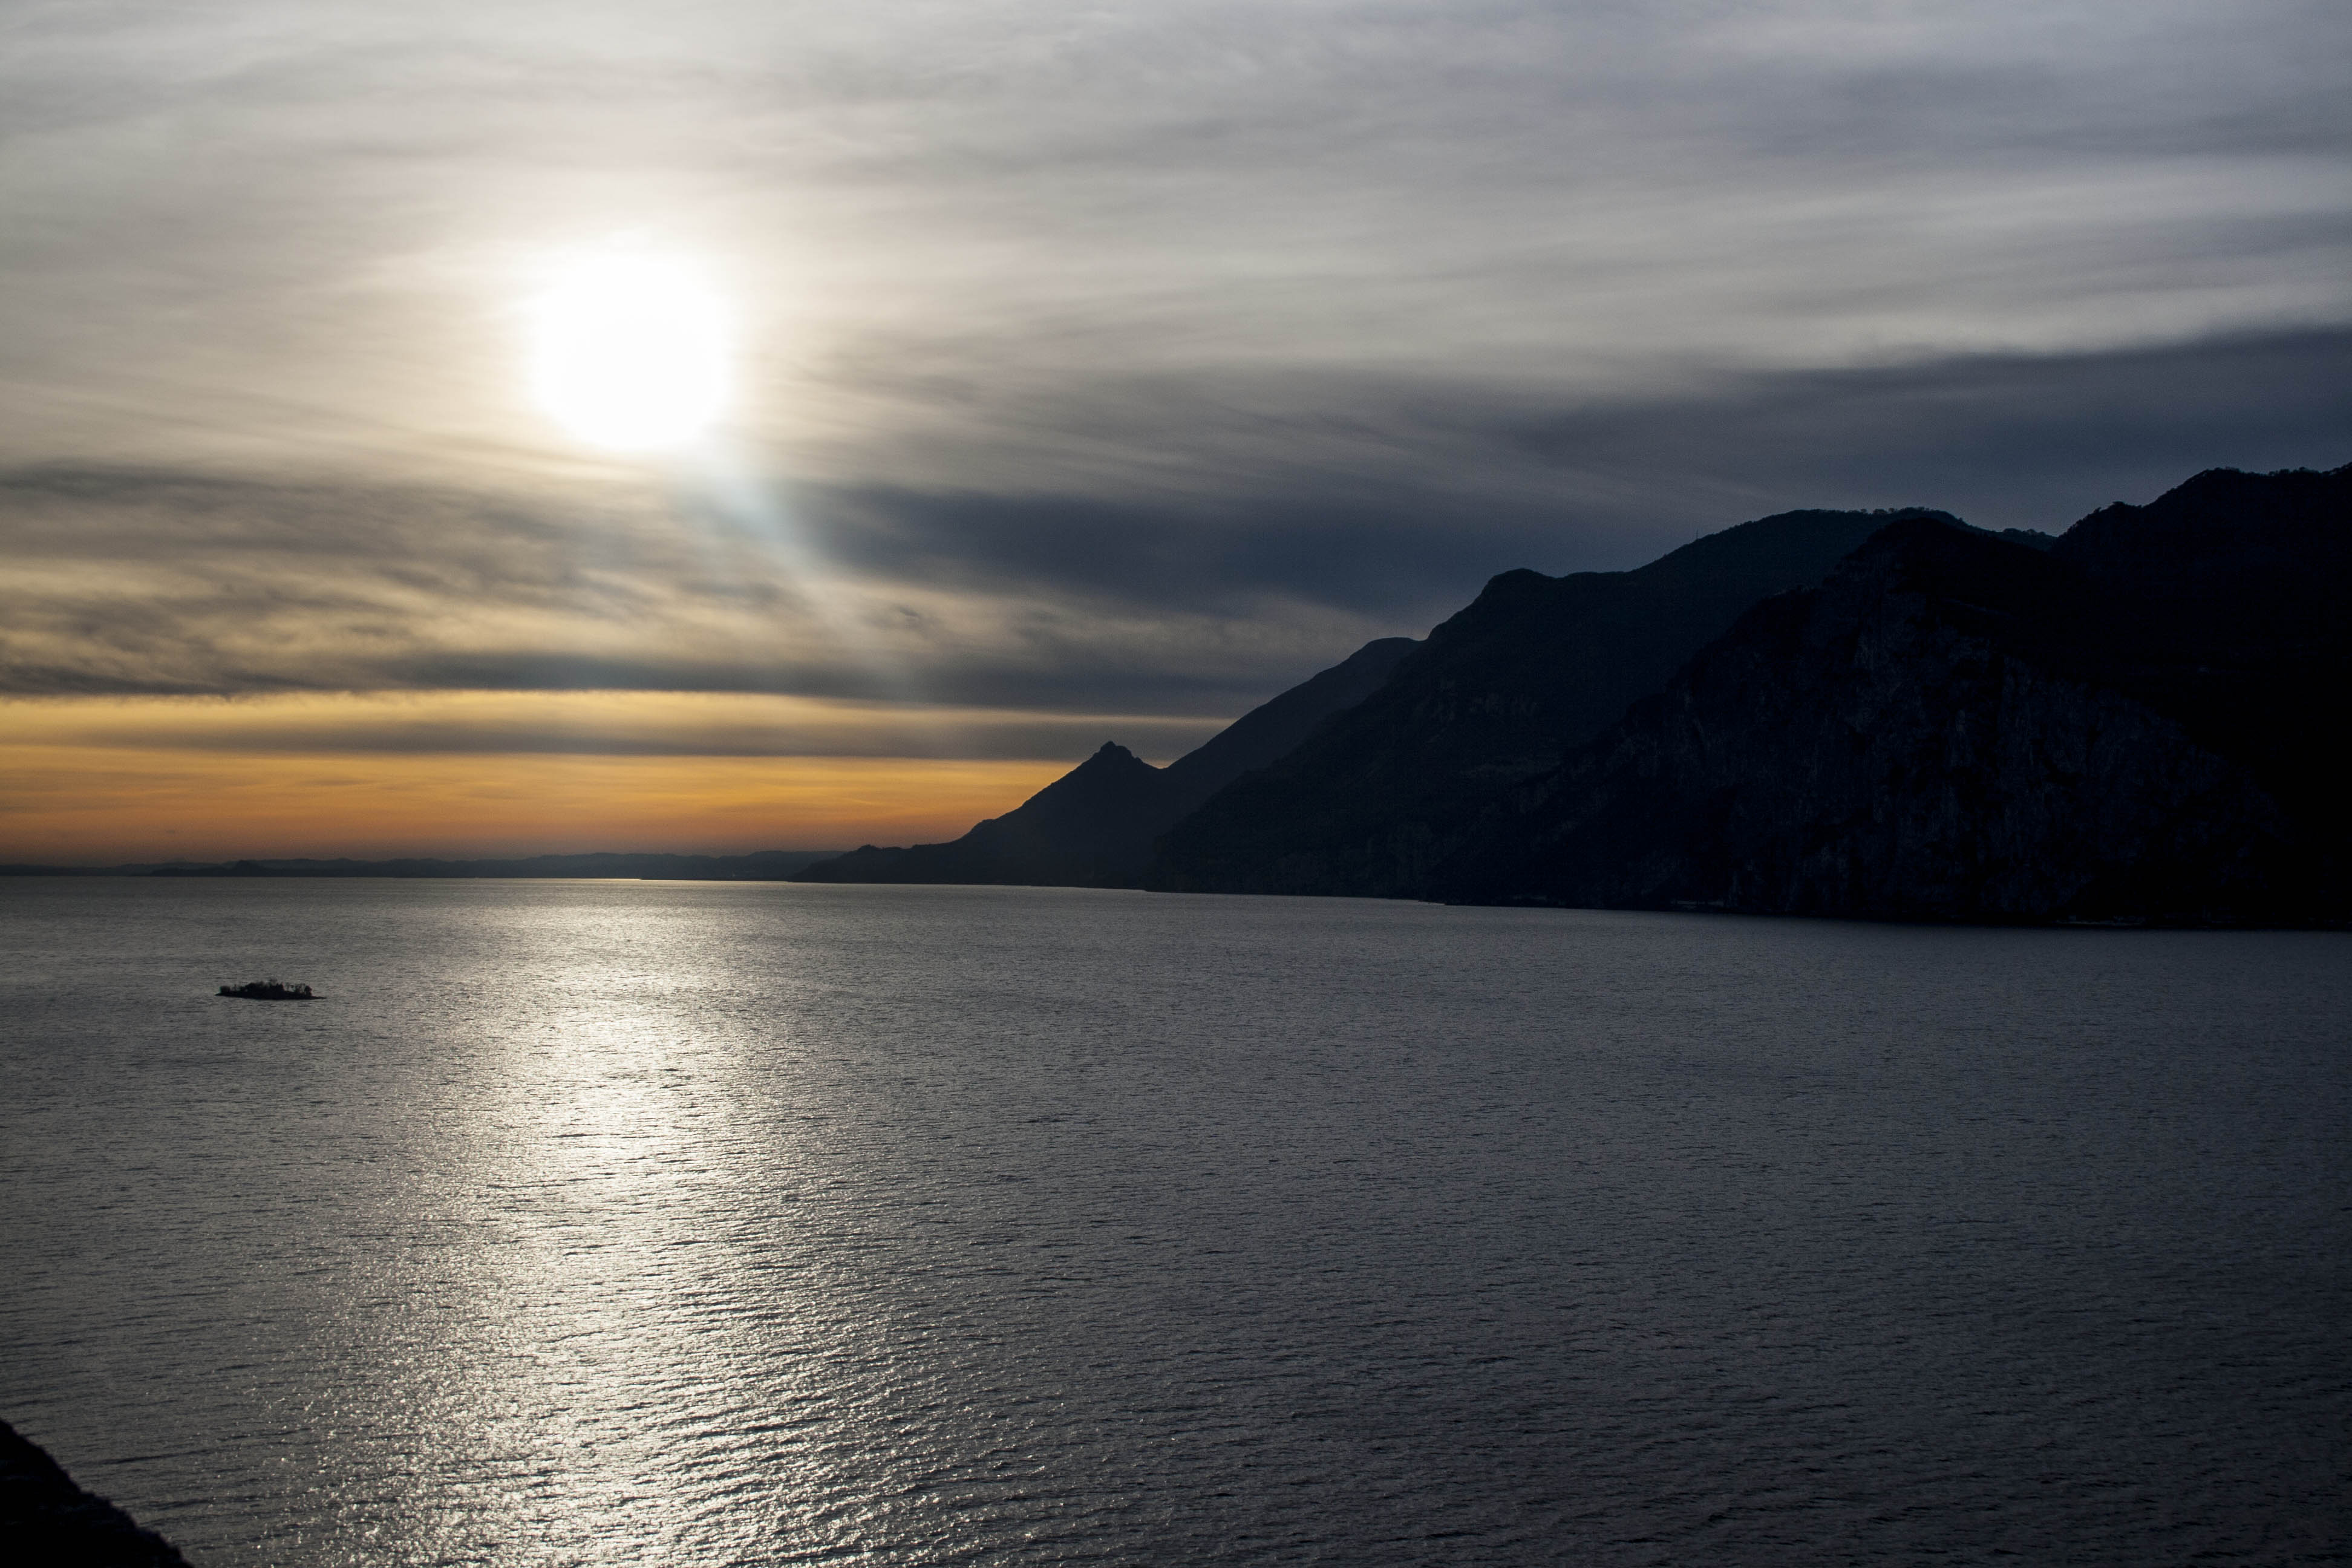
1920	738
1097	825
1887	714
2135	723
1496	694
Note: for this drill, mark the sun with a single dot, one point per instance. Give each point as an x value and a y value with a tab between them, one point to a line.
629	353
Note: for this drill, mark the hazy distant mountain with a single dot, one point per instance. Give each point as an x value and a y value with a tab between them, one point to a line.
2138	723
1094	826
761	866
1498	694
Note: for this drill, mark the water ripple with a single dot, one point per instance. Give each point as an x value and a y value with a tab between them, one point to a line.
660	1224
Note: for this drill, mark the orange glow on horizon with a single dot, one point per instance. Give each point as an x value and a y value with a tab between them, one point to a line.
75	808
71	799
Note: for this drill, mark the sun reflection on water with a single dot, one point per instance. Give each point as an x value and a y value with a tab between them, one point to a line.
636	1224
605	1337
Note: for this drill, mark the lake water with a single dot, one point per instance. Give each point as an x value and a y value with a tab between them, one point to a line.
705	1223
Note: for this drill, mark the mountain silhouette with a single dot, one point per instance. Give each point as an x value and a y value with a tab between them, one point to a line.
1088	829
2226	602
1884	714
2138	723
1094	826
1379	797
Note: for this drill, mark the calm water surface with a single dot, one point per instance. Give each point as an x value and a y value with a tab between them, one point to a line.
688	1223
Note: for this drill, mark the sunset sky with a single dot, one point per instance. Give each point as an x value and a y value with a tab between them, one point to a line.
1057	374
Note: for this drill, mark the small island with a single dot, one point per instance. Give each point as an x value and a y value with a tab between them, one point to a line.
268	991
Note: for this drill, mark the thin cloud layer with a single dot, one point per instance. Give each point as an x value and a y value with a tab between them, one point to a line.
127	582
583	724
264	231
1335	521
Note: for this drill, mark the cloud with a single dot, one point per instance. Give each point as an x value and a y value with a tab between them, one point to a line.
479	724
1136	359
166	584
264	233
1312	514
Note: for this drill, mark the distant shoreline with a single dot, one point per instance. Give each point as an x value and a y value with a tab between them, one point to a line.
761	866
2116	925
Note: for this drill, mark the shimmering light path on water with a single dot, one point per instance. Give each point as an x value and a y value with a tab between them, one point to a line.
668	1224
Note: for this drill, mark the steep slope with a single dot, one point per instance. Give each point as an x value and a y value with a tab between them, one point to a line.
1094	826
1075	832
2231	598
2131	726
1273	730
1376	799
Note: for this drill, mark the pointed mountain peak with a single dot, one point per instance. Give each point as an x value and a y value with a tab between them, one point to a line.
1110	757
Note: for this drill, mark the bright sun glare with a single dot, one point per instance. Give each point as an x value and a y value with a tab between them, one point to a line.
629	353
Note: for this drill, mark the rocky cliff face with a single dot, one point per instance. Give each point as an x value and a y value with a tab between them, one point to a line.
1930	735
1377	799
2139	721
2228	602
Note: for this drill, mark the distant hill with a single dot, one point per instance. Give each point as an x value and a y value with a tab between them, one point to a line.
1094	826
1498	695
144	868
761	866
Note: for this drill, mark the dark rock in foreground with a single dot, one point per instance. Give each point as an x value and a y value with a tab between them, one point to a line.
45	1520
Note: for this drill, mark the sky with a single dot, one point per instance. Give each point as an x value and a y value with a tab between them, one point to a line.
1091	372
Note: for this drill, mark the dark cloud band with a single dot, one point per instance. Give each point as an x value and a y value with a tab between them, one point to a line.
141	581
